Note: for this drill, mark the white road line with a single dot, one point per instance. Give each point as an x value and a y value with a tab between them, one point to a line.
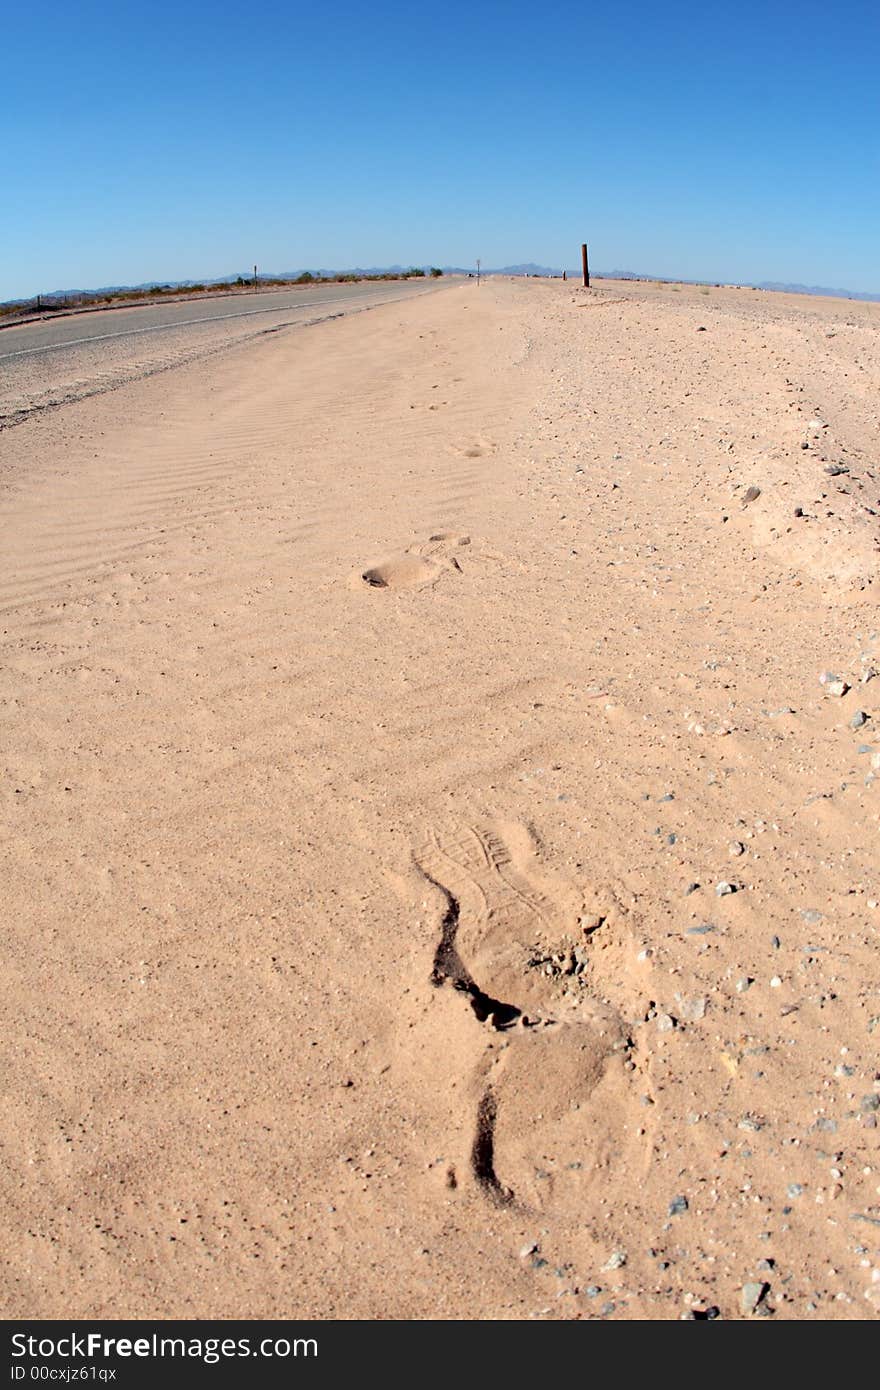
184	323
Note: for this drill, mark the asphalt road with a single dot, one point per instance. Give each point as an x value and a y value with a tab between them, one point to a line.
57	361
54	333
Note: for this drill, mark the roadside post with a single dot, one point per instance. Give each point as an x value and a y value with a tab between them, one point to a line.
586	265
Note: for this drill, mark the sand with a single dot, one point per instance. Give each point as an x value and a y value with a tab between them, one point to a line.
374	693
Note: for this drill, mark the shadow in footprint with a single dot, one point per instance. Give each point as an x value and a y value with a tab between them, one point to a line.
483	1153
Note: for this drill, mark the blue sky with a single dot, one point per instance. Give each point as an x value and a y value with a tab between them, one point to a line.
719	141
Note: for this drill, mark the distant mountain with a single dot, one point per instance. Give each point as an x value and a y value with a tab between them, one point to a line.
528	269
815	289
127	289
778	286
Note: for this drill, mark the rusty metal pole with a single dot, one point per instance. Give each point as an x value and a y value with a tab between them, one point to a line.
586	265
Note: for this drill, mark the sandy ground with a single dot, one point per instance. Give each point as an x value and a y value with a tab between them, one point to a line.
385	704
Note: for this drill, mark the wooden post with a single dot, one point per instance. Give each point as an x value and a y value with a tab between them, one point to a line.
255	279
478	270
586	265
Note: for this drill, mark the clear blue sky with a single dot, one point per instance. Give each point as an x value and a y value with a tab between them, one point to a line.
718	141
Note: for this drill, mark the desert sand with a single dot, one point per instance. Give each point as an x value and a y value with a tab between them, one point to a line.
437	882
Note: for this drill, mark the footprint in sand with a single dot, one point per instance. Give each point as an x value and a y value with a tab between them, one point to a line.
551	1077
403	572
419	567
475	449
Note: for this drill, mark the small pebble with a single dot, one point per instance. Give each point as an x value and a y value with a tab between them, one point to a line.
693	1008
678	1205
723	888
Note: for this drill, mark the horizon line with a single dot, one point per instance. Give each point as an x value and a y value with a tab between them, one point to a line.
524	269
